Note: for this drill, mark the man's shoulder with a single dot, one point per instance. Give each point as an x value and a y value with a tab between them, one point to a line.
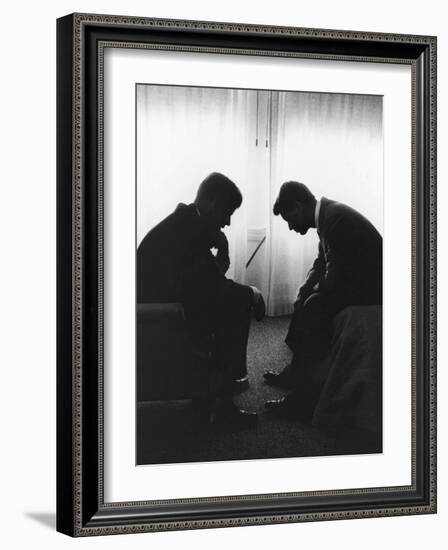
333	211
340	219
332	207
177	225
338	211
182	213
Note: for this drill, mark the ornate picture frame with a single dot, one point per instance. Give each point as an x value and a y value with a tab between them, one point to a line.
81	506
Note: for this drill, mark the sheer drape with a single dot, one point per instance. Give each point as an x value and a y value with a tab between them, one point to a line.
333	144
183	134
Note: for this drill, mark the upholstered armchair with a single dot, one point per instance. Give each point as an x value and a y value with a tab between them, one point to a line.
169	365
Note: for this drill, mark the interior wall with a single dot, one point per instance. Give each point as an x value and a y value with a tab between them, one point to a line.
28	352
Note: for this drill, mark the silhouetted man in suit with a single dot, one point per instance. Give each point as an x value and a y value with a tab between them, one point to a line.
347	271
175	264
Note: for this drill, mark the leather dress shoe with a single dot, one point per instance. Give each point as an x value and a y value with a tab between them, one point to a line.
282	379
231	417
290	408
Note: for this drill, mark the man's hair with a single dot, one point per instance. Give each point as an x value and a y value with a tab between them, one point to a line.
290	192
218	187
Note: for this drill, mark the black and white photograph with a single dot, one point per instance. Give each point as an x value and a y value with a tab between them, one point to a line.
259	273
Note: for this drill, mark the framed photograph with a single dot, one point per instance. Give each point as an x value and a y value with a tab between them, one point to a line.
246	274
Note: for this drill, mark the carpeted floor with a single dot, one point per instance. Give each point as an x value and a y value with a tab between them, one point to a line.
170	432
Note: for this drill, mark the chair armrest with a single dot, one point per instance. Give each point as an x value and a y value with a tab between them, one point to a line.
170	313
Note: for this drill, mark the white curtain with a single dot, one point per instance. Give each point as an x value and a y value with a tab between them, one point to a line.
333	144
183	134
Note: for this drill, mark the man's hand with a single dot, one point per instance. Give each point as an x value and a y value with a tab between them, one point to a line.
303	295
300	300
258	305
220	242
223	261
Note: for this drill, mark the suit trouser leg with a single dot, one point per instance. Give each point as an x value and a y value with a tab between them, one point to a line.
309	337
231	338
228	325
310	325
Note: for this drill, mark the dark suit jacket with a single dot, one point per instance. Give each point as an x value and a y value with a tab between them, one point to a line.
175	264
349	264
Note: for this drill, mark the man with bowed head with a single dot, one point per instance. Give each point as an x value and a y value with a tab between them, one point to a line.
347	272
175	263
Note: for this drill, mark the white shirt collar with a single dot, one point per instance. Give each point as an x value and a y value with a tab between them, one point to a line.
316	213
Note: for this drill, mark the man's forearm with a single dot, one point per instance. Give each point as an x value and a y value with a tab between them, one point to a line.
311	281
314	275
223	261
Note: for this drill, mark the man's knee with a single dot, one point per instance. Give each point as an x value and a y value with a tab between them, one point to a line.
235	303
318	314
